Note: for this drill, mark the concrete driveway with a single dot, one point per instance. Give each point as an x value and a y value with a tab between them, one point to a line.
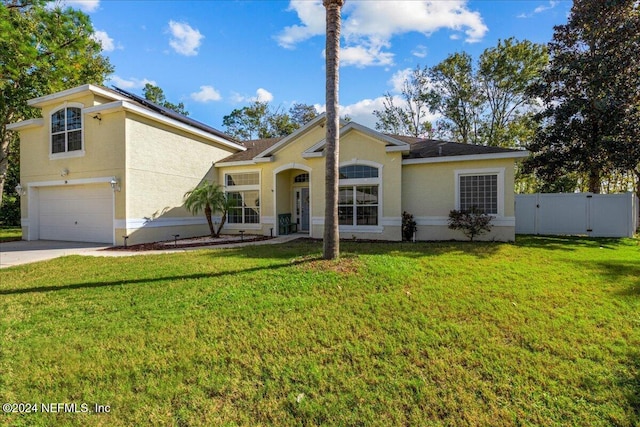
23	252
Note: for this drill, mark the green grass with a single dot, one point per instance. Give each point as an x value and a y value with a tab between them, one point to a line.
9	234
543	332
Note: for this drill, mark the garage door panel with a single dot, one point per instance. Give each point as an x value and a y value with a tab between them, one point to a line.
81	206
80	213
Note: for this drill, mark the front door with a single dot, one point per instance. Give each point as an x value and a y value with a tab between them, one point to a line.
302	208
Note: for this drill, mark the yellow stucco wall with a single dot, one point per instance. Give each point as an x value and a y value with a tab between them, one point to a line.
154	163
162	164
104	154
277	188
428	193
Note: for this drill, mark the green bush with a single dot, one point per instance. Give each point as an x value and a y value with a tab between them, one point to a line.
10	210
409	226
472	222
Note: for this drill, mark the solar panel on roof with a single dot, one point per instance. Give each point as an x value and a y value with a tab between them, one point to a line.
172	114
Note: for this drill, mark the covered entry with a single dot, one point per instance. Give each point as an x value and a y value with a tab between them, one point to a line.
293	195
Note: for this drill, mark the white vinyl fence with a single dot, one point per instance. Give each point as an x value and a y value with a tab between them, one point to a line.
595	215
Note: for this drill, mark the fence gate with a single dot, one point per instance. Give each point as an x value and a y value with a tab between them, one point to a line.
595	215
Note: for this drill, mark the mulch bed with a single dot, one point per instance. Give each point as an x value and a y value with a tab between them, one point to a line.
189	243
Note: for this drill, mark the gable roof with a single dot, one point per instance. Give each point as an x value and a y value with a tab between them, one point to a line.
121	99
253	148
287	139
391	143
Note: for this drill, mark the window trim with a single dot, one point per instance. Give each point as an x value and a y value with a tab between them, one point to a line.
499	172
354	227
67	154
244	188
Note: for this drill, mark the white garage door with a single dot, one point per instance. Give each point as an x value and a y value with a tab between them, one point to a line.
77	213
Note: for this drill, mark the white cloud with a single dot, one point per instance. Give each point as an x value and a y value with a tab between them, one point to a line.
262	95
185	40
131	83
420	51
87	6
365	55
369	26
360	112
107	42
312	16
542	8
398	79
206	94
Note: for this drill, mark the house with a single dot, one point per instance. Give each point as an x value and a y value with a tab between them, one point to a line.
104	164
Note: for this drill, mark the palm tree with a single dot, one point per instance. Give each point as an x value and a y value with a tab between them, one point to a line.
208	197
331	248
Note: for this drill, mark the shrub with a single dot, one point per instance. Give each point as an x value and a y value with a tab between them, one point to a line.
409	226
10	211
472	222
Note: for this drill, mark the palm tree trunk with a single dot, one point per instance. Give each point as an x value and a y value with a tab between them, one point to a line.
207	214
222	222
331	233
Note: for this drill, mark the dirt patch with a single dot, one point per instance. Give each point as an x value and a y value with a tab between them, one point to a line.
190	243
346	265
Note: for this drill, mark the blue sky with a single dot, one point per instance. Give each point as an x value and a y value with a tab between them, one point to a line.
215	56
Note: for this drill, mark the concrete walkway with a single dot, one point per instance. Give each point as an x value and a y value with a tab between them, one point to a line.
23	252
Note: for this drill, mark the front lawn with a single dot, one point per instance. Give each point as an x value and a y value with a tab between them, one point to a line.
543	332
9	234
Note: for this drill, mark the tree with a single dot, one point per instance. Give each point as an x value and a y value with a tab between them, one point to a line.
486	104
208	197
506	72
301	114
409	117
259	120
591	94
456	95
156	94
331	248
43	50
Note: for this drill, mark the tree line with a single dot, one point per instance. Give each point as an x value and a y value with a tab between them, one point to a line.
574	103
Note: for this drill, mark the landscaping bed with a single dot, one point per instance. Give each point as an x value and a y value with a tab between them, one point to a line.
191	242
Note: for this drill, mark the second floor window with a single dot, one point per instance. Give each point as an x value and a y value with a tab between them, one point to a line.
66	130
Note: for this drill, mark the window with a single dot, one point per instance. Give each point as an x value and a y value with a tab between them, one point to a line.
480	191
358	172
303	177
243	190
358	205
66	130
245	207
358	197
250	178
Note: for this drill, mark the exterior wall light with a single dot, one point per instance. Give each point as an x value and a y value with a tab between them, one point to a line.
115	184
20	190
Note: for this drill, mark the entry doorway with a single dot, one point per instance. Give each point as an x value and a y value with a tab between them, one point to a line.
301	200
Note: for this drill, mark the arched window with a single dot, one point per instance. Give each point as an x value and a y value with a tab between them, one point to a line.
303	177
358	172
358	197
66	130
